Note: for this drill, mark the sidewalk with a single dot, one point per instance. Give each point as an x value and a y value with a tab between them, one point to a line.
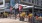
7	20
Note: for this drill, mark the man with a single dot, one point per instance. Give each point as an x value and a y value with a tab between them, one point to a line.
5	15
30	17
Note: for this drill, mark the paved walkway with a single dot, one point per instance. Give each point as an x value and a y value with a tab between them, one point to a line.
7	20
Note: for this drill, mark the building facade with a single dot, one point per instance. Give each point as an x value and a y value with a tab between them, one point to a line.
3	5
41	3
34	2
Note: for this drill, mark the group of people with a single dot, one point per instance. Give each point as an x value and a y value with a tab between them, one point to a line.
5	15
23	15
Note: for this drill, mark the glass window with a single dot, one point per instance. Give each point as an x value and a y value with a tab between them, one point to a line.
7	5
29	0
1	2
32	1
37	2
24	0
41	2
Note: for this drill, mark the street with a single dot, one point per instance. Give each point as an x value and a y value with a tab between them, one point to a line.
8	20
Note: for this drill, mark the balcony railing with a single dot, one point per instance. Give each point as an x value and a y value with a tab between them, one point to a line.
5	1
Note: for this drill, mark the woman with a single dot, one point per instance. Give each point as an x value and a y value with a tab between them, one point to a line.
22	15
30	17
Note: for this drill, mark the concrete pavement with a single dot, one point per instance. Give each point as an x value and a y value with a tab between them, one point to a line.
8	20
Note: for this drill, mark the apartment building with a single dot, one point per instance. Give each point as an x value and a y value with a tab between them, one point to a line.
36	3
41	3
32	2
26	2
2	5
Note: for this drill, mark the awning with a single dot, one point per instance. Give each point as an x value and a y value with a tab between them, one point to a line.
26	6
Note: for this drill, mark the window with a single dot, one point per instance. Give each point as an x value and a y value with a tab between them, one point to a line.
29	0
1	2
7	5
32	1
24	0
18	1
41	2
37	2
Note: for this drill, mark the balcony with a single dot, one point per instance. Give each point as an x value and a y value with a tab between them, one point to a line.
6	1
26	2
